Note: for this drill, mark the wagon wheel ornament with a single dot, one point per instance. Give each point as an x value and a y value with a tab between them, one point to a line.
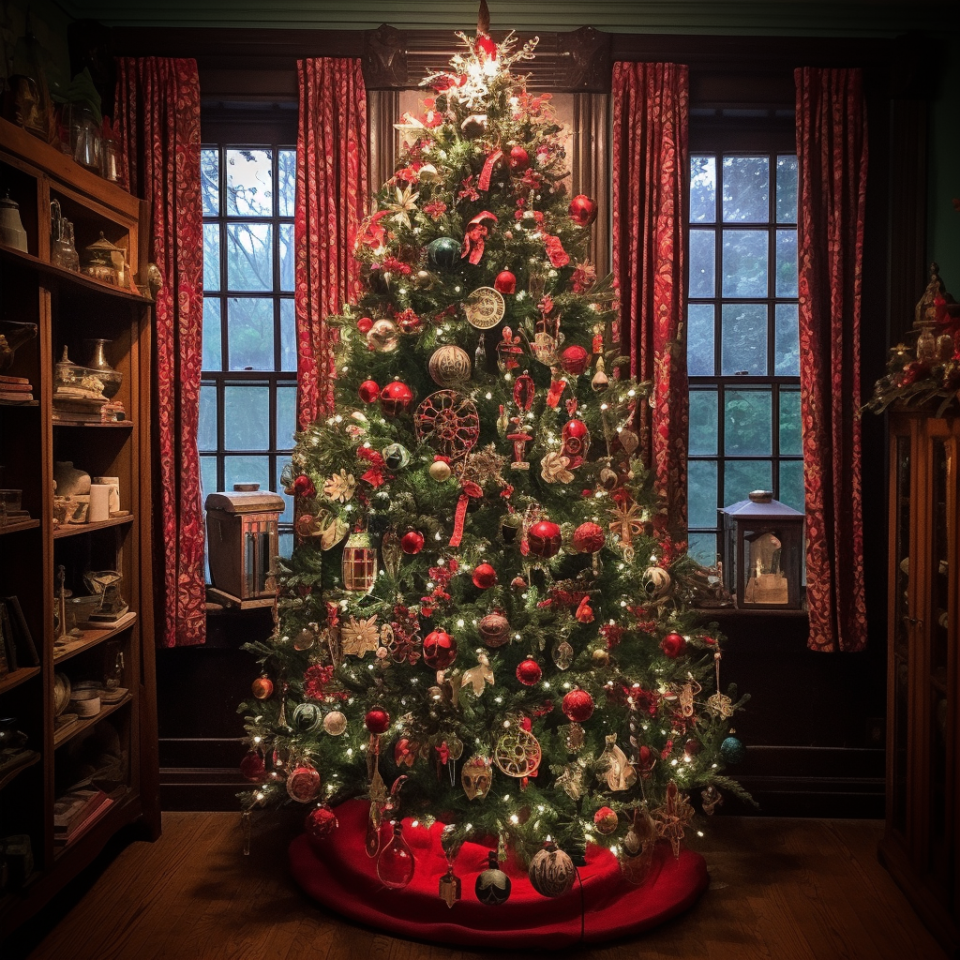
518	753
449	422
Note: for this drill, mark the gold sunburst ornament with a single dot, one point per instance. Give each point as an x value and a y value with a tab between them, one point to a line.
360	637
627	523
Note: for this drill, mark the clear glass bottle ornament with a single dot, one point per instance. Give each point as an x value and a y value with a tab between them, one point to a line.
396	865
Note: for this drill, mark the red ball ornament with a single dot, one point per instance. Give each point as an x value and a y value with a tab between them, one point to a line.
574	359
396	398
673	645
484	576
519	159
544	539
529	673
303	783
319	826
262	688
411	542
495	630
606	821
589	537
369	390
253	768
506	282
377	720
577	706
364	325
439	650
303	486
486	47
583	210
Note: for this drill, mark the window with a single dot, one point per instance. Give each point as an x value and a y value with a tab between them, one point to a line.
743	353
249	377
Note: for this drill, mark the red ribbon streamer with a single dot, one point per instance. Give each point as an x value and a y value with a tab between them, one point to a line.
458	520
487	172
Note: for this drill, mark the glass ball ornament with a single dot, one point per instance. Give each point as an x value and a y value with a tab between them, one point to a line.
262	688
383	336
494	630
334	723
606	821
673	645
578	706
443	253
733	750
506	282
253	768
484	576
307	717
551	872
656	582
304	640
493	885
574	360
439	650
544	539
396	398
583	210
396	865
589	537
319	826
412	542
427	173
369	391
377	720
396	456
529	672
303	783
449	365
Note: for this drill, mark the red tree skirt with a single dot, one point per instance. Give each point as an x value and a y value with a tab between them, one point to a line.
602	906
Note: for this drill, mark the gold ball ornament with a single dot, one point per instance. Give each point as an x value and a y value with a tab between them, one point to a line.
334	723
383	336
440	471
484	308
449	365
494	630
518	753
552	872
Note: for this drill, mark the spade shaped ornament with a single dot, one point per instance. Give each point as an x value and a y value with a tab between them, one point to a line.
613	768
562	654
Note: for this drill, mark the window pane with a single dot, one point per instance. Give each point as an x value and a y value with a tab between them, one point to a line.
786	280
210	181
744	263
208	475
286	415
207	428
246	470
287	515
790	437
743	339
786	189
791	484
246	420
212	356
746	189
286	188
211	257
249	183
249	256
250	333
703	190
286	256
702	493
286	544
288	336
747	423
700	340
703	256
703	548
703	422
742	476
787	345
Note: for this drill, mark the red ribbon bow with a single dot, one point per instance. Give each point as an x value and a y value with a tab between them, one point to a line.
474	240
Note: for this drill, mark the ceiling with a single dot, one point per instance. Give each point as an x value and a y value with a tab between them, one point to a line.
842	18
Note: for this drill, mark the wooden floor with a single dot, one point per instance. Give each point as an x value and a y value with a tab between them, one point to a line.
779	890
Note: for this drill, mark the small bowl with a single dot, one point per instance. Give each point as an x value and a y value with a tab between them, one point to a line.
85	703
79	609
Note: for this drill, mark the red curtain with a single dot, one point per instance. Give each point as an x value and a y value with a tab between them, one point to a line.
651	159
832	157
331	202
157	117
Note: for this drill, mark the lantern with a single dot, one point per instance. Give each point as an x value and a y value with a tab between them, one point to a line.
762	552
359	563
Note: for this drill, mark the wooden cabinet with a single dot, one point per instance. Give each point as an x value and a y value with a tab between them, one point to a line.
921	846
116	745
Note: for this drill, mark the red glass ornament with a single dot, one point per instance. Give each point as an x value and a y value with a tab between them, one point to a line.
646	760
574	359
395	866
583	210
484	576
589	537
412	542
529	673
303	486
519	159
439	650
396	398
544	539
506	282
577	706
673	645
303	783
364	325
262	688
606	821
495	630
377	720
319	826
691	748
253	768
369	391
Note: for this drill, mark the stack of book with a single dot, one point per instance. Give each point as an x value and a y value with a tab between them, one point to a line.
17	648
15	389
77	811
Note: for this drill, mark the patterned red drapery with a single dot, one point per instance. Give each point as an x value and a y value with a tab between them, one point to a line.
832	157
157	117
651	159
331	202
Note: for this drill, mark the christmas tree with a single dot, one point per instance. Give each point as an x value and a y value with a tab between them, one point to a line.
483	622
